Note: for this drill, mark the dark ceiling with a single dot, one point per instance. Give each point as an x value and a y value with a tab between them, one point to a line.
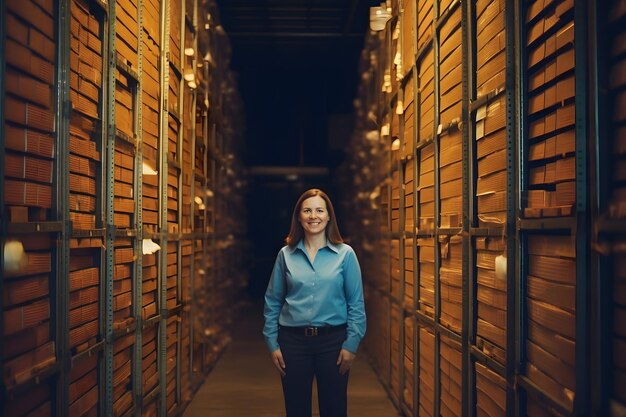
296	62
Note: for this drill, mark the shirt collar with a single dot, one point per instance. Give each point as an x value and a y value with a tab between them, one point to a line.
300	245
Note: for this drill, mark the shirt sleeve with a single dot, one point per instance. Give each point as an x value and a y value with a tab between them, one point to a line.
274	300
353	288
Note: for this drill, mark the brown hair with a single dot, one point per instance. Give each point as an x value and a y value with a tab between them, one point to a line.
296	232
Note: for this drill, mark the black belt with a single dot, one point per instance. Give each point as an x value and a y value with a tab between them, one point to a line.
313	331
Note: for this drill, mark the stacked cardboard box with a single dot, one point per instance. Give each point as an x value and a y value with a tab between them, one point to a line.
451	281
426	188
409	268
126	42
450	69
396	57
409	364
426	250
450	178
171	355
175	32
395	201
395	268
149	352
83	391
396	326
551	306
27	342
491	295
409	196
426	82
122	318
450	359
426	372
122	370
492	163
85	171
424	23
490	46
409	35
490	393
551	90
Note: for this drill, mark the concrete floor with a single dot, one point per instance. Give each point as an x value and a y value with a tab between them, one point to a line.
244	382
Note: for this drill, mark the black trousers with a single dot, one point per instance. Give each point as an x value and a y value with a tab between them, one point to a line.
305	357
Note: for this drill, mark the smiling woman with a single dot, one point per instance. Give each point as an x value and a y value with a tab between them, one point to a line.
314	310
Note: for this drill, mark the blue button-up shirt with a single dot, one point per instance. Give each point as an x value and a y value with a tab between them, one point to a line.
327	291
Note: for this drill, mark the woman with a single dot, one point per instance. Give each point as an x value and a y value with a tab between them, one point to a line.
314	311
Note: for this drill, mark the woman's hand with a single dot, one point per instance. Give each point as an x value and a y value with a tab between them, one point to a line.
279	363
345	361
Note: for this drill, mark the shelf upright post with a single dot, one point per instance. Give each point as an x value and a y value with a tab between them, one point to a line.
163	231
466	275
180	203
521	181
109	215
511	202
437	324
138	264
599	175
62	196
469	211
581	401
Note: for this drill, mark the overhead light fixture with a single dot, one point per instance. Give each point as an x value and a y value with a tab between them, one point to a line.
384	131
189	74
378	18
192	84
395	145
14	256
189	51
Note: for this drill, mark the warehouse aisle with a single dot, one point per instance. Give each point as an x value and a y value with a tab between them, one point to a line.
244	382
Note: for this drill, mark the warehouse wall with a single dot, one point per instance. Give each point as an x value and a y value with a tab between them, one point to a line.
122	223
486	175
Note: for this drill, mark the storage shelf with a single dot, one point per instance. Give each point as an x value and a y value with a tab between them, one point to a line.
34	227
557	223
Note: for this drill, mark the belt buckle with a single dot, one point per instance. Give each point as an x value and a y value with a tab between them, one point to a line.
310	331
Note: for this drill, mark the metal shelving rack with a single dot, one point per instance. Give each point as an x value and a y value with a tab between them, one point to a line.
137	370
109	124
163	170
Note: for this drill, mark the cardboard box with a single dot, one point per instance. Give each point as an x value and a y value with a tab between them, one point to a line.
34	15
23	317
493	315
491	143
27	194
551	365
28	88
84	278
552	342
492	163
491	75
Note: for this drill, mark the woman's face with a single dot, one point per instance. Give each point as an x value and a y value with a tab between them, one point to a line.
314	215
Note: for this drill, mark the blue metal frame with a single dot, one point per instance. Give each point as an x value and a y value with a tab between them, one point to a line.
600	193
581	401
62	297
163	232
437	326
511	202
110	223
137	375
